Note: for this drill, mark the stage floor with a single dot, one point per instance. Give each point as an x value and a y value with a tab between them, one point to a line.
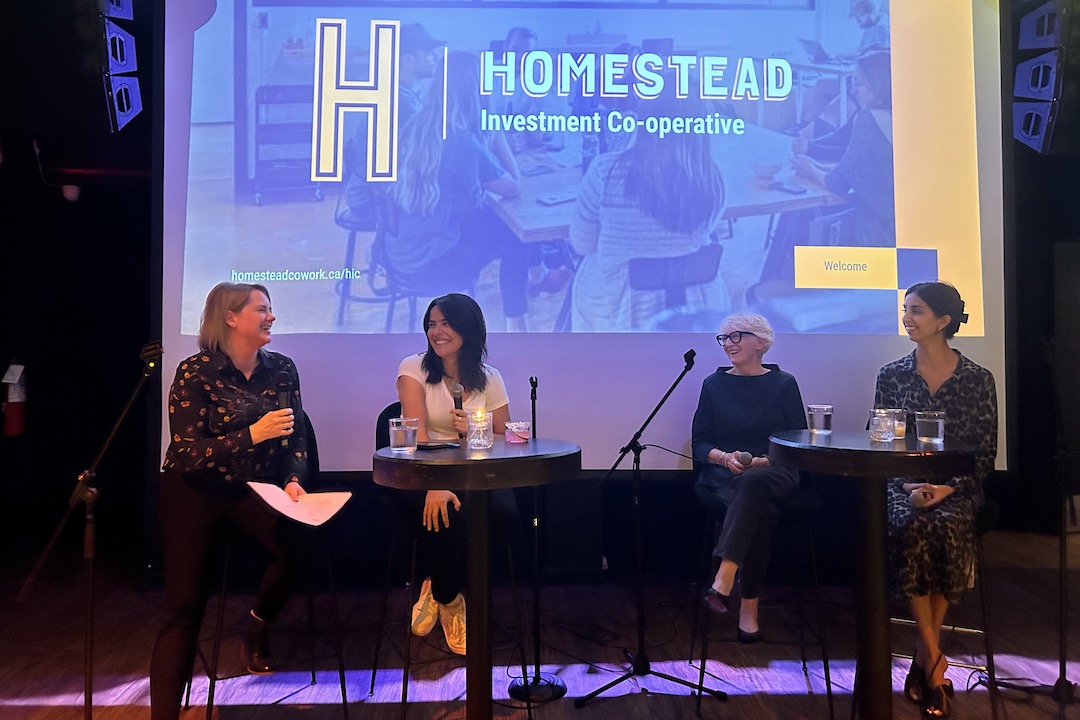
586	630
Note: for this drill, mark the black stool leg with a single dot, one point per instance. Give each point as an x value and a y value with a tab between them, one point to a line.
822	636
381	628
708	542
311	631
335	617
706	632
215	654
991	675
408	634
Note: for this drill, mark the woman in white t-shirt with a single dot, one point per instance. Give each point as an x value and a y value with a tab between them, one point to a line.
457	347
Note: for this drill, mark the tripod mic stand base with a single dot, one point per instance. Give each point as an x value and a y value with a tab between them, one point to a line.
1061	691
537	689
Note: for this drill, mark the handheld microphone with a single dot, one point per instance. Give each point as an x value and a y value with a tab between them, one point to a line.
918	498
284	397
456	391
745	458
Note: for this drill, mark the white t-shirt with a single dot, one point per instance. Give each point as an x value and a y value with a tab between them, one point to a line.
439	402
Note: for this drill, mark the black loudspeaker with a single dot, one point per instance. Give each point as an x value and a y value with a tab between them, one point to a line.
76	84
1046	85
118	74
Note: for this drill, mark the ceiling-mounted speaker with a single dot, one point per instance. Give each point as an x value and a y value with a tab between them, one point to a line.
118	70
1046	80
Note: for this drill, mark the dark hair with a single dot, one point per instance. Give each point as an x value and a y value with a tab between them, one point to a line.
455	108
465	316
673	180
943	299
520	31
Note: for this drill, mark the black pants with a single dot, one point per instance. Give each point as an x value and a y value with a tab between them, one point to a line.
443	553
192	520
751	504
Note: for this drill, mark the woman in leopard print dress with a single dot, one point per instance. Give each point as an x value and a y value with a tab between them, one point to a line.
931	548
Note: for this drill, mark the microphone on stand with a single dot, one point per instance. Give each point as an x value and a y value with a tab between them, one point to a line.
456	391
284	397
532	399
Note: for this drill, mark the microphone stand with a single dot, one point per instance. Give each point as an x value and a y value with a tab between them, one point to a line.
639	661
86	493
1063	690
542	687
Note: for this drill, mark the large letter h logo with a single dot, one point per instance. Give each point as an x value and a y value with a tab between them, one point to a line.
335	96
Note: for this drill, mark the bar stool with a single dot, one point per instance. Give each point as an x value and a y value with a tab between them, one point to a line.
400	524
985	520
796	518
211	664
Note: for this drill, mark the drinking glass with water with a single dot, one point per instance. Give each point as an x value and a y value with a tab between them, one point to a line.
930	426
403	432
819	418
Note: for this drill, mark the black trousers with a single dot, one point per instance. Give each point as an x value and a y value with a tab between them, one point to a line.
192	521
751	505
443	553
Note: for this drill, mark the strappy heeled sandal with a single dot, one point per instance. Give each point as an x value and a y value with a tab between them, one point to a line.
915	687
937	701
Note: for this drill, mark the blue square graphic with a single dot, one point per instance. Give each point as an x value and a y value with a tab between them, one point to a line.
915	266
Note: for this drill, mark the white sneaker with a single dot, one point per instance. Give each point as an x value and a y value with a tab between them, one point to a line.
452	619
425	612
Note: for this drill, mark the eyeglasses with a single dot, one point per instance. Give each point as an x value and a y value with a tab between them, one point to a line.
735	337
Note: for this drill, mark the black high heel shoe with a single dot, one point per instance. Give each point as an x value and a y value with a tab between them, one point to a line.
748	638
915	688
937	704
716	602
937	701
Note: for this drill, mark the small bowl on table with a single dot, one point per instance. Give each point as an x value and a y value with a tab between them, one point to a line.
764	172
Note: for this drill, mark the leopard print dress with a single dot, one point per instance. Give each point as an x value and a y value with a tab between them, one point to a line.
933	550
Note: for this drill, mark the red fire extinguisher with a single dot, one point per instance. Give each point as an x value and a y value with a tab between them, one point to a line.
15	400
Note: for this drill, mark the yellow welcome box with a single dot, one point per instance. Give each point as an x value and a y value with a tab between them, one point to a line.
851	268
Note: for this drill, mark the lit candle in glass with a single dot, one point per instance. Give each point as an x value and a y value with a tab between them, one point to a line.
480	430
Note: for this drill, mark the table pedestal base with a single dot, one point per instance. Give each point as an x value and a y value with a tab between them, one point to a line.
538	691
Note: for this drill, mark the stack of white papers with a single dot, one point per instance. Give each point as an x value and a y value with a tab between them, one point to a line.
313	508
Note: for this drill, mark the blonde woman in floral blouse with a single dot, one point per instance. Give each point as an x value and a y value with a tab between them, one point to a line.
226	428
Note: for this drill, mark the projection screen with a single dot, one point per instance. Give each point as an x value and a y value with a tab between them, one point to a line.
762	182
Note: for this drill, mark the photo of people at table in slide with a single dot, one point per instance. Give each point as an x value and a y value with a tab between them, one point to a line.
599	167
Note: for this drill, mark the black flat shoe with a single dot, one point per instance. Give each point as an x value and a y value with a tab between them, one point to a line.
938	702
716	602
915	688
748	638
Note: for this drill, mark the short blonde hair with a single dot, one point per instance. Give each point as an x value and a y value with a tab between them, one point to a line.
225	297
751	322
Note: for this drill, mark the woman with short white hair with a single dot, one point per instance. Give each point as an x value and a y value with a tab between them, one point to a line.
739	408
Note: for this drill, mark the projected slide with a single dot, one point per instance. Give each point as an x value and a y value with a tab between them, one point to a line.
620	167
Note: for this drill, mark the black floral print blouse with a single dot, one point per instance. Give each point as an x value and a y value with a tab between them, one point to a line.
969	399
211	408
